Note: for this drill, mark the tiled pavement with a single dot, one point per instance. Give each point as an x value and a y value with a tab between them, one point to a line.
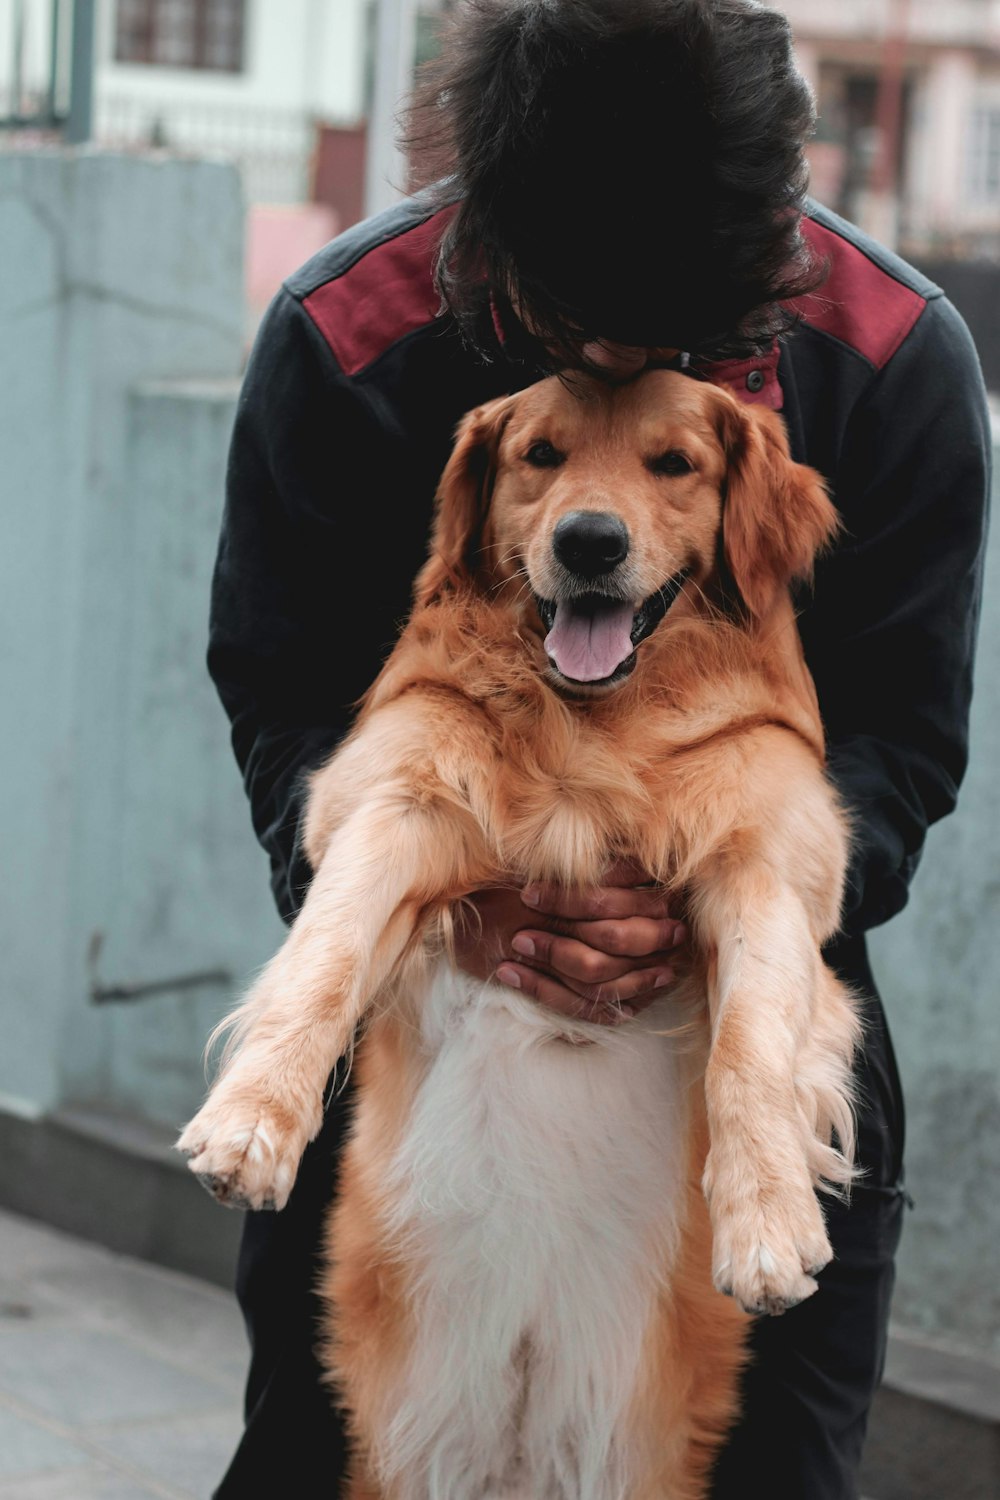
118	1380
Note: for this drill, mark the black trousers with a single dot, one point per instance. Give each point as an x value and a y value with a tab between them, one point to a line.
808	1388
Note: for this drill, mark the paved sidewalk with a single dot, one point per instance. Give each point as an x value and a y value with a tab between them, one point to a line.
118	1380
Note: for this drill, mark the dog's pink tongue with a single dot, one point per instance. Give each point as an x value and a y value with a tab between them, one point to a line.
588	644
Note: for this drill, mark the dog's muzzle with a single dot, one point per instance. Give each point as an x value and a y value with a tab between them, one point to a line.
592	637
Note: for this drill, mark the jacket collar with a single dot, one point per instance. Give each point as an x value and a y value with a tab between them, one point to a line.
752	381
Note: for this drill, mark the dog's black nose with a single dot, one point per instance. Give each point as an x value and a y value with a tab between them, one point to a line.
590	542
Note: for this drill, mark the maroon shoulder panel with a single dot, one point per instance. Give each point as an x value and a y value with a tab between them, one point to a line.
859	303
389	292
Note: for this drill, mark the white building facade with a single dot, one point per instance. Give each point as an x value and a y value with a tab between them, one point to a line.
244	79
942	196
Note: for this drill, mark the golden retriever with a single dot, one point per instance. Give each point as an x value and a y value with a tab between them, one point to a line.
532	1238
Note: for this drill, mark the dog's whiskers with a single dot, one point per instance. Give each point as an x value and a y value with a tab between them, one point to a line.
524	591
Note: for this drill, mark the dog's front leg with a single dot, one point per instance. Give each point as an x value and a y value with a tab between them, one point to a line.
363	906
769	1236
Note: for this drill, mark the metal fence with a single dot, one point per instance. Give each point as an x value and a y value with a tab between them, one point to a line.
273	148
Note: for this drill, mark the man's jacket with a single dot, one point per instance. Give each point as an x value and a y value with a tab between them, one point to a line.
350	402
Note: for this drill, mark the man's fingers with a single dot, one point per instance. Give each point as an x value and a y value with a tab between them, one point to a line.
632	937
557	997
597	955
587	962
625	937
579	904
626	872
605	1004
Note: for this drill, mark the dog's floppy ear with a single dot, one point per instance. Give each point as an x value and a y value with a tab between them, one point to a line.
463	501
777	514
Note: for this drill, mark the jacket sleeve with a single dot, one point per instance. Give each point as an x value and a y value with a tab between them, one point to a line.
301	619
891	638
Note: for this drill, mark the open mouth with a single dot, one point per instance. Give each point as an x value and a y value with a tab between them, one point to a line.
592	637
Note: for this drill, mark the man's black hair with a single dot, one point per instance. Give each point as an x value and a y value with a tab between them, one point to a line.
626	169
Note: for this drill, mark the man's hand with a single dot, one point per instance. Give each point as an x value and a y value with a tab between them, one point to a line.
597	955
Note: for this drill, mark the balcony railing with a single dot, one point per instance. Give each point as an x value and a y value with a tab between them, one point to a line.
945	23
273	148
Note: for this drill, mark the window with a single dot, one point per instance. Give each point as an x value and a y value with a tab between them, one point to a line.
181	33
984	156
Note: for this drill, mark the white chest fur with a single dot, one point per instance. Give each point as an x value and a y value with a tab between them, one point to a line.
536	1189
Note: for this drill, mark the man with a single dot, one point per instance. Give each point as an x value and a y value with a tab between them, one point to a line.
621	181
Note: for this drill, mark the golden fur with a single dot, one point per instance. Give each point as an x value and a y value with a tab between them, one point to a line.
474	762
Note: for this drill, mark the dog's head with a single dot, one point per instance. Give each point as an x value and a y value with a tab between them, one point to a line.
603	504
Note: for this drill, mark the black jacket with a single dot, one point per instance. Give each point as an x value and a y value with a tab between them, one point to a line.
345	420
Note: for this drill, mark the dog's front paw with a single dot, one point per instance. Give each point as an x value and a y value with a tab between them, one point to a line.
245	1152
768	1241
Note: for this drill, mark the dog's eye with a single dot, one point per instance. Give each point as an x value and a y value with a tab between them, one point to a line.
671	463
542	455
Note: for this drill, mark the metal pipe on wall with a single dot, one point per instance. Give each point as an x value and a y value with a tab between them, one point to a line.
395	43
80	119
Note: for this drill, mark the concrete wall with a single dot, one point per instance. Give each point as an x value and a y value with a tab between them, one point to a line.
937	966
118	271
182	890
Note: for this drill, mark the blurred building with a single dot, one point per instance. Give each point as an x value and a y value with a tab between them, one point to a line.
908	93
909	131
236	78
279	87
246	80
